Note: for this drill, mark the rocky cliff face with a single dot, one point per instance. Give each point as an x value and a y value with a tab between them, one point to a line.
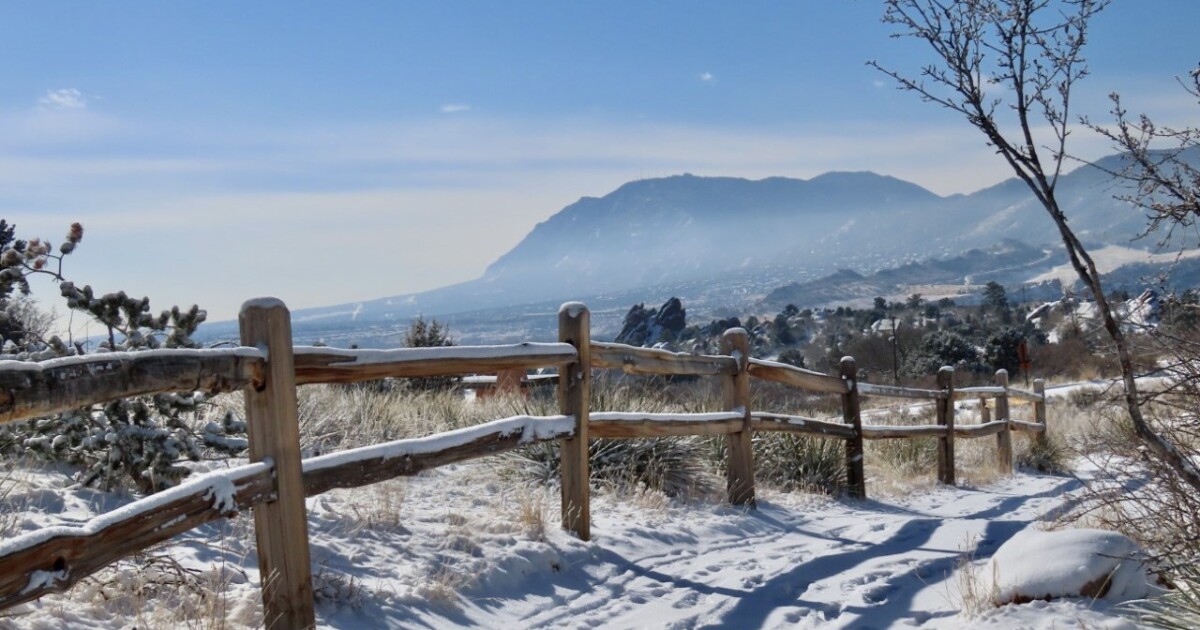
649	327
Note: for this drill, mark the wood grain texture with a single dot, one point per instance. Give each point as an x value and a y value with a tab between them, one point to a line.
983	429
735	392
887	432
574	396
889	391
945	419
30	391
633	360
661	428
281	526
856	476
62	560
316	367
796	377
363	472
1030	427
1004	455
788	424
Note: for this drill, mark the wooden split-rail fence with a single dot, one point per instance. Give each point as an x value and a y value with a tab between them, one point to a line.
267	369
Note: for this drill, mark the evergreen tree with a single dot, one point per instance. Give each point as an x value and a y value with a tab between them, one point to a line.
424	333
141	440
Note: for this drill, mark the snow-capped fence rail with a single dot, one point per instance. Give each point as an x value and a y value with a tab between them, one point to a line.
268	368
30	390
55	558
330	365
654	361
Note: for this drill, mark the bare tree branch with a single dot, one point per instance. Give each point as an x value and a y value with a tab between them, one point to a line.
1032	50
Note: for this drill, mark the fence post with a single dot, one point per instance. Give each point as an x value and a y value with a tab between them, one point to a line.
1039	406
985	414
1004	438
281	526
856	480
574	396
736	393
945	418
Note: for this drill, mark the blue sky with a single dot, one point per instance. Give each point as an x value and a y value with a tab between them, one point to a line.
330	152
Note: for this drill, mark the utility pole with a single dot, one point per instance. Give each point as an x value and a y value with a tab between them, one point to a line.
895	362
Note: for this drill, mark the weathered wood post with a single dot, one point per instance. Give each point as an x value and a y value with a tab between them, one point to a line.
856	479
736	393
281	526
574	395
985	414
508	382
1004	438
1039	405
1039	412
945	418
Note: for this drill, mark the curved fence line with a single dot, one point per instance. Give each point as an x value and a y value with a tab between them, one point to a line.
268	368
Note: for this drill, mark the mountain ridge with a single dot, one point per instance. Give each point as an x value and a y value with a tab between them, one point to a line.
757	235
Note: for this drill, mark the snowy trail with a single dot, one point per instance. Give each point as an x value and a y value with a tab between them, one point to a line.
452	548
826	564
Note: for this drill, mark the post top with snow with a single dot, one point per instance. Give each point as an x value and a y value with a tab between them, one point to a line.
572	309
945	376
262	303
735	332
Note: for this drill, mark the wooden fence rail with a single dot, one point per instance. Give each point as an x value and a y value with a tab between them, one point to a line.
268	368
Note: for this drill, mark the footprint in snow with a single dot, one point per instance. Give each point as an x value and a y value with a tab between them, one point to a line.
687	601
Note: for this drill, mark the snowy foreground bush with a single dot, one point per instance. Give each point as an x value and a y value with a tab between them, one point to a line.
1090	563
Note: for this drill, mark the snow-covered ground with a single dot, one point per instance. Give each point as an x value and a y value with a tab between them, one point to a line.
466	546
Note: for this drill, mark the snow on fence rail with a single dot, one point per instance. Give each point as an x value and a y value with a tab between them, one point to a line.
268	368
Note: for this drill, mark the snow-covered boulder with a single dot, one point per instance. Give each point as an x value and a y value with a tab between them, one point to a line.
1089	563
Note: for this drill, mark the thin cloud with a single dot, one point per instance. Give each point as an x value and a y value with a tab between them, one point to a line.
454	108
707	77
65	98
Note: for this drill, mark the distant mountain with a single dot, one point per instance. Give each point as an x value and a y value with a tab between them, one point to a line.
730	240
675	228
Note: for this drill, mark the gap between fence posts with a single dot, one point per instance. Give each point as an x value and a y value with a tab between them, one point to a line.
945	418
736	394
856	479
1004	453
281	526
574	396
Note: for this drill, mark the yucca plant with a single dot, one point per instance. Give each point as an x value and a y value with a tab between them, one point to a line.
1178	608
798	462
675	466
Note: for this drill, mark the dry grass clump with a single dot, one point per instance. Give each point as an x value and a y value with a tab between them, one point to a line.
903	459
801	463
977	592
155	591
674	466
338	590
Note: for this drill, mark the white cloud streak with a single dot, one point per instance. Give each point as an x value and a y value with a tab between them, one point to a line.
454	108
65	98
